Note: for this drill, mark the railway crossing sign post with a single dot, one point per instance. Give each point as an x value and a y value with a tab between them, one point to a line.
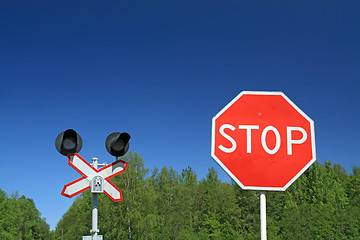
264	142
69	143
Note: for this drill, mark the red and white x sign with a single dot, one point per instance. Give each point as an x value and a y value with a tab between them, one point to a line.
88	172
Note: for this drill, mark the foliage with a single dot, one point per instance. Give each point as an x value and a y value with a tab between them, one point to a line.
324	203
19	219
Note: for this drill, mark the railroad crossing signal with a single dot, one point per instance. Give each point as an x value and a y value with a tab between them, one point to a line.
69	143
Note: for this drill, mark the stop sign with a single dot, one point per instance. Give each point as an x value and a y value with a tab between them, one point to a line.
263	140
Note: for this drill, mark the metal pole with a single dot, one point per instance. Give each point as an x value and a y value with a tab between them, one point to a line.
263	215
94	229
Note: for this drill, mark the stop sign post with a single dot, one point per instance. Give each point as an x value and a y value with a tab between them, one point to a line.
263	141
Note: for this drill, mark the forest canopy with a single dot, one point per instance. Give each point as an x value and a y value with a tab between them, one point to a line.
20	219
324	203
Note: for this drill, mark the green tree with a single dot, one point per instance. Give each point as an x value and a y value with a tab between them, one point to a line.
20	219
76	222
323	203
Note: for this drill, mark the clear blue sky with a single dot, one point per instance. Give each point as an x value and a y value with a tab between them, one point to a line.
161	70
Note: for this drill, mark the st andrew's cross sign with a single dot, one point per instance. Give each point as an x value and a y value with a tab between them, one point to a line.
93	178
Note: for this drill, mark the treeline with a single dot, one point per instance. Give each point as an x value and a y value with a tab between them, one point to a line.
324	203
20	219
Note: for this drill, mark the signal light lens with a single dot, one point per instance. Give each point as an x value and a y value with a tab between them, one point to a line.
69	143
118	145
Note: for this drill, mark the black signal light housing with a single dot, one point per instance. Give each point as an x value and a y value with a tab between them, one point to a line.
68	142
117	144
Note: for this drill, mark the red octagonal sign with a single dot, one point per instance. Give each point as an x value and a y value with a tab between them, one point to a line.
263	140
